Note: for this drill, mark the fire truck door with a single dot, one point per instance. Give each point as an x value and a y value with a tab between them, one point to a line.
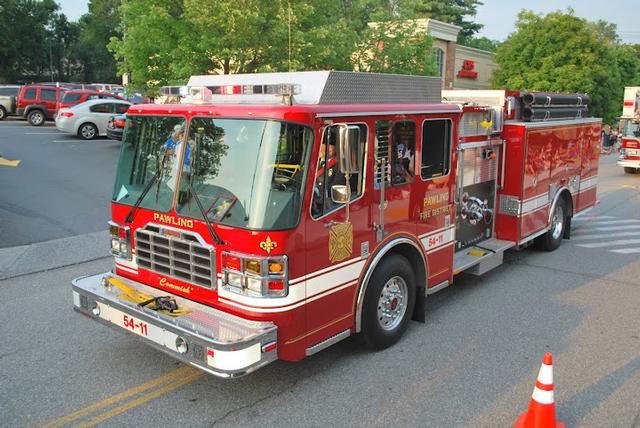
396	196
336	238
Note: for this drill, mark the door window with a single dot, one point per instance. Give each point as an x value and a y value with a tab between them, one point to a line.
403	149
47	95
328	172
122	108
101	108
29	94
436	145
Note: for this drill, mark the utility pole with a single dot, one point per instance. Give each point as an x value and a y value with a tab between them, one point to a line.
50	60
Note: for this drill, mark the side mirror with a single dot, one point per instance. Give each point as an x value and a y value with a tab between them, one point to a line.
348	148
340	194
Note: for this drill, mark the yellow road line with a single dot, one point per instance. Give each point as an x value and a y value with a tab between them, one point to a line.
140	400
182	371
7	162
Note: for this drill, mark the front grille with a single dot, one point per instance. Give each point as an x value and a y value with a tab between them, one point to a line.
176	253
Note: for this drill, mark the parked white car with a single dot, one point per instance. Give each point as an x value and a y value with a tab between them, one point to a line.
89	119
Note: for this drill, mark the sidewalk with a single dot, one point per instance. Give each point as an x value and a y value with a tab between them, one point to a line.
43	256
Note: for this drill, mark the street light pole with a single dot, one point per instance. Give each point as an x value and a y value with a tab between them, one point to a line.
50	60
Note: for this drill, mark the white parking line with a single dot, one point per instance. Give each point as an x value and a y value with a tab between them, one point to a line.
67	141
606	222
615	228
611	243
581	237
627	251
42	133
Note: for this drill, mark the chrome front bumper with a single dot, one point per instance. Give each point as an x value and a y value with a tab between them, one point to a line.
217	342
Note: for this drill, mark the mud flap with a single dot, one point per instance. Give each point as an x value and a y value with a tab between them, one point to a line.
419	307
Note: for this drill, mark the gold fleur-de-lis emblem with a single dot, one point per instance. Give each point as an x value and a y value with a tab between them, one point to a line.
268	244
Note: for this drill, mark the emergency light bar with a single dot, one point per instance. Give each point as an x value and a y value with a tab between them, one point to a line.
313	87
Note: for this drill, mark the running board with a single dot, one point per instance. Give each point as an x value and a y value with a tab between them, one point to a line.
327	342
481	258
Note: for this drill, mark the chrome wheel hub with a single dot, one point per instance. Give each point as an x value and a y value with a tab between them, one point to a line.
88	132
556	222
392	303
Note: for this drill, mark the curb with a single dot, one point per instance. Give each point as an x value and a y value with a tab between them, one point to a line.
43	256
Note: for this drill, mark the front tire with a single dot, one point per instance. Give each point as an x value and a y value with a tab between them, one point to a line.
36	118
553	238
631	170
3	113
388	302
88	131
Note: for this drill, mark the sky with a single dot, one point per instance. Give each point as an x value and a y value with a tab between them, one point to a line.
499	16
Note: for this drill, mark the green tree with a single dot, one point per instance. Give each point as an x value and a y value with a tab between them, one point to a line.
24	45
97	27
483	43
560	52
458	12
396	47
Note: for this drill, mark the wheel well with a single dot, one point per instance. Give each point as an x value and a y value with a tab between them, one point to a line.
409	250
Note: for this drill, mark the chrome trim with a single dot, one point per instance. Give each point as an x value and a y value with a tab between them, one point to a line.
327	342
264	266
550	123
372	266
478	144
533	236
555	202
203	328
189	260
436	288
387	113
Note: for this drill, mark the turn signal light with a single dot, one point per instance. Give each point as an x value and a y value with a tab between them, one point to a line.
276	267
252	266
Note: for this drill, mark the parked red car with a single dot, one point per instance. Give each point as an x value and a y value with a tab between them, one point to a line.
38	103
77	96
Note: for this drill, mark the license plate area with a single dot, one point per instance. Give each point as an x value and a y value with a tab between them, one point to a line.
136	325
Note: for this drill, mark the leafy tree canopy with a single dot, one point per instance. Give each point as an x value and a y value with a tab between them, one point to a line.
563	53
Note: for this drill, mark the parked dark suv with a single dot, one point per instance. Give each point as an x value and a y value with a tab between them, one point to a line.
38	103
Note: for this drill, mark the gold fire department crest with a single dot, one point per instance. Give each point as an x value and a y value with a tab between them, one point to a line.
268	244
340	241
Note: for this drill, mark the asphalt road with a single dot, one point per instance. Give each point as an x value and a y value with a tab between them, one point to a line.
473	363
61	187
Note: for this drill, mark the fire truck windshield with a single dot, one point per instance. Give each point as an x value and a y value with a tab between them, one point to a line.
631	129
148	151
247	173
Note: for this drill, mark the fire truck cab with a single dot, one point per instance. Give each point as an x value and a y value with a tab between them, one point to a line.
277	214
629	157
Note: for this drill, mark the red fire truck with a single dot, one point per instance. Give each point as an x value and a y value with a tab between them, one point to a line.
629	157
277	214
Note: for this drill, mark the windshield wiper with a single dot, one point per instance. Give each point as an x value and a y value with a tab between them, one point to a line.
192	163
155	179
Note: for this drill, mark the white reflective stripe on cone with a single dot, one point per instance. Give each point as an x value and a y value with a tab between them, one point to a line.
545	376
542	397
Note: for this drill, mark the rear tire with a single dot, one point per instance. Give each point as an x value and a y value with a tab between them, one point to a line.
87	131
3	113
631	170
36	118
553	238
388	302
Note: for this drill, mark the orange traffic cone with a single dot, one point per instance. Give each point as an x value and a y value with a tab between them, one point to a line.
542	410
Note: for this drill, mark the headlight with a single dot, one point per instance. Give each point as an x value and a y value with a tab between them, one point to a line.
120	240
255	276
